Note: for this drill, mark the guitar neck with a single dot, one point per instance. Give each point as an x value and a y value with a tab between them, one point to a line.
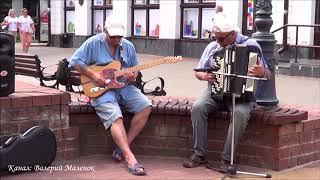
138	68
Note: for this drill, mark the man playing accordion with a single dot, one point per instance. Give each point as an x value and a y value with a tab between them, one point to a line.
225	34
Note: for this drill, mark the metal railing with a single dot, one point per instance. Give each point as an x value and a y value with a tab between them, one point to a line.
285	37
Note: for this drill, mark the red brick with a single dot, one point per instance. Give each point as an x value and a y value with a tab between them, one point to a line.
41	100
218	134
283	164
68	154
84	119
72	143
306	136
21	101
293	162
25	125
185	129
303	159
317	124
70	132
287	129
315	134
95	140
215	145
5	102
169	126
65	98
58	133
8	128
308	148
59	123
55	99
317	145
317	156
308	125
289	140
289	152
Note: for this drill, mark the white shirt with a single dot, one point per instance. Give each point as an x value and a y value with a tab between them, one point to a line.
12	23
25	23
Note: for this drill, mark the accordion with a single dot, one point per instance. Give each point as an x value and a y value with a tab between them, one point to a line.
232	64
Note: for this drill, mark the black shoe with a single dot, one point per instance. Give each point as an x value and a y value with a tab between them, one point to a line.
220	167
194	161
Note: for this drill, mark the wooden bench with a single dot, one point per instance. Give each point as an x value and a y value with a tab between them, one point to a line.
30	65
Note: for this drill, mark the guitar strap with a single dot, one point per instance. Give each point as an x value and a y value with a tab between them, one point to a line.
121	53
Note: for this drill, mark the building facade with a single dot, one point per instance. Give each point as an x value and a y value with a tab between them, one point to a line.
166	27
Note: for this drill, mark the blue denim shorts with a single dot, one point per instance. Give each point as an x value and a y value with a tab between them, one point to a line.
133	102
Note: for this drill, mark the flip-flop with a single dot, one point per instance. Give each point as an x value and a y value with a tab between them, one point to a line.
117	154
135	169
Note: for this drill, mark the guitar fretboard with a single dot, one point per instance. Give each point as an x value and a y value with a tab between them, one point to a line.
138	68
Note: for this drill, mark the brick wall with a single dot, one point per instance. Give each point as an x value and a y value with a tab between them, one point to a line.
277	139
30	106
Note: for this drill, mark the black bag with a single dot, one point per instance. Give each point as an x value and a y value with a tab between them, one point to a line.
37	146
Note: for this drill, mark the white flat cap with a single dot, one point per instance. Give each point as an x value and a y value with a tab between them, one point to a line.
114	26
223	23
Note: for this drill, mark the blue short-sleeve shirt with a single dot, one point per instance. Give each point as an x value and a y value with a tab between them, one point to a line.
95	50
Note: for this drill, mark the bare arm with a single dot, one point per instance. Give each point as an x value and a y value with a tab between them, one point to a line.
84	70
203	76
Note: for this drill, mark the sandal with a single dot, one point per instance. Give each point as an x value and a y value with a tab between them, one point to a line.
135	169
117	154
194	161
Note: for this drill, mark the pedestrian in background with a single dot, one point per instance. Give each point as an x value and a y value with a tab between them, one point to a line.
11	23
26	27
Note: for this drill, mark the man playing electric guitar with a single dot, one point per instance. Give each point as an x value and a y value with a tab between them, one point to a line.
102	49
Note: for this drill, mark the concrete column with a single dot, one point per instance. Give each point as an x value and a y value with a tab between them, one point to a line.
17	5
57	17
122	9
83	18
170	16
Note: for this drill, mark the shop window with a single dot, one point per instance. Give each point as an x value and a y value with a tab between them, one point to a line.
70	16
197	18
101	10
146	18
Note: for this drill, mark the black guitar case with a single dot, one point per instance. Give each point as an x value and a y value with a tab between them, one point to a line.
37	146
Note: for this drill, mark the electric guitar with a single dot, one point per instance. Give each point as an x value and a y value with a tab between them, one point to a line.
112	71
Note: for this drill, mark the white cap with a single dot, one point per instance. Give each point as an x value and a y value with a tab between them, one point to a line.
114	26
223	23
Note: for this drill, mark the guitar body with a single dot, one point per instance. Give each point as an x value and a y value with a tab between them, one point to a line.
91	89
112	71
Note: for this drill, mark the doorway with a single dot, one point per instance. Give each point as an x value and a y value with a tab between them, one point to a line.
40	14
317	30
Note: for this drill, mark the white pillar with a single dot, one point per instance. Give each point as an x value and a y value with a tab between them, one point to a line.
170	19
122	9
57	17
83	18
233	8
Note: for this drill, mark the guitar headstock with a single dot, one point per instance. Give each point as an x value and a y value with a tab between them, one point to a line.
172	59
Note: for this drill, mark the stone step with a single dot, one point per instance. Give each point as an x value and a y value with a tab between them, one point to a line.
304	67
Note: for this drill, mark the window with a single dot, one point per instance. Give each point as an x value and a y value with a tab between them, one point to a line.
197	18
145	18
101	9
70	17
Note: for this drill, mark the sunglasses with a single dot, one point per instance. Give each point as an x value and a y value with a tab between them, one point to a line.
222	39
115	37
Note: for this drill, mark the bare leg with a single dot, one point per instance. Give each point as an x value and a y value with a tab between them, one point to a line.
120	138
137	123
